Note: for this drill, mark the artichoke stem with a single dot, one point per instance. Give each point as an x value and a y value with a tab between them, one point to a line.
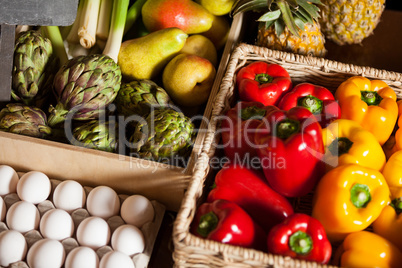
57	115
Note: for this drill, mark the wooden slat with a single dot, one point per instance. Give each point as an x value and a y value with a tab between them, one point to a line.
7	36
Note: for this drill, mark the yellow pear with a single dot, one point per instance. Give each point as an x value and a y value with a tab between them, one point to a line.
217	7
188	79
145	57
201	46
219	31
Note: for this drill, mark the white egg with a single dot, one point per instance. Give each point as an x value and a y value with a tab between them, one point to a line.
46	253
3	209
34	187
93	232
137	210
115	259
56	224
103	202
69	195
13	247
82	257
128	239
23	216
8	180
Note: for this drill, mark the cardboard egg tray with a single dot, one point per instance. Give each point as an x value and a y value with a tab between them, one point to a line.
150	230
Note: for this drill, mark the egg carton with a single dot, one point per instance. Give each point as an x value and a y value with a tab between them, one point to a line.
150	230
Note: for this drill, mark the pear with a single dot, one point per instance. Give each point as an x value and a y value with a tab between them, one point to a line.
200	45
219	31
187	15
145	57
217	7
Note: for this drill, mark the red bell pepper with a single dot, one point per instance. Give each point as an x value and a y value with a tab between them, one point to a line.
300	236
319	100
290	148
263	82
238	128
226	222
249	189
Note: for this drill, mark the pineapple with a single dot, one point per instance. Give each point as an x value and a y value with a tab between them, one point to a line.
350	21
287	25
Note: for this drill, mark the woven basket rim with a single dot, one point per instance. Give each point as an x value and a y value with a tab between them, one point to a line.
182	238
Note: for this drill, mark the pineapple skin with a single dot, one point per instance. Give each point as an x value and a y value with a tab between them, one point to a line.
350	21
311	41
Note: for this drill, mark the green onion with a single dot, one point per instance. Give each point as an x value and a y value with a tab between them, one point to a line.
133	13
88	23
72	36
105	12
116	32
54	35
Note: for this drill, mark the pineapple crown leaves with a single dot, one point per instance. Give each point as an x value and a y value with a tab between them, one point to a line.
290	13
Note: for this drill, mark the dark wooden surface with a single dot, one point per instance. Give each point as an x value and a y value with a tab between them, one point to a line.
382	49
162	254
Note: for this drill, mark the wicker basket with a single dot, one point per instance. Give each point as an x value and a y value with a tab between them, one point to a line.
191	251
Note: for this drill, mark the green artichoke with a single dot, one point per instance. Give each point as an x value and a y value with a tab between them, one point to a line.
139	97
23	119
96	134
33	69
164	134
84	86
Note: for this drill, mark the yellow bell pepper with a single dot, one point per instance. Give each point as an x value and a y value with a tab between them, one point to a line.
370	103
365	249
393	170
348	199
398	133
389	223
389	147
347	142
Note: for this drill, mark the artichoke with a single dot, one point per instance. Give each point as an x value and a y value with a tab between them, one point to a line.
96	134
139	97
164	134
33	66
84	86
23	119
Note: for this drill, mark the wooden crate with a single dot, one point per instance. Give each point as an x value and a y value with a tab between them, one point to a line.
126	174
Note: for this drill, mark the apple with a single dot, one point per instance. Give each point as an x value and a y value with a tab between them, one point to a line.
188	79
201	46
217	7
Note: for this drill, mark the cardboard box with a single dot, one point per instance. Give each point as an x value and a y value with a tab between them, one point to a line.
126	174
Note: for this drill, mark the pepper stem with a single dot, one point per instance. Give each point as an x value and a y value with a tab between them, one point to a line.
313	104
360	195
287	127
252	112
300	243
263	78
371	97
397	205
208	223
340	146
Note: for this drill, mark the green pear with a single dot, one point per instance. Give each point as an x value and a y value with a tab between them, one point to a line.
187	15
145	57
